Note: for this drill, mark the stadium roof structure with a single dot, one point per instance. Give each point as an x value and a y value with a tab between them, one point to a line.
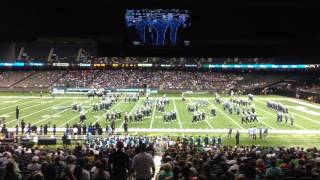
219	28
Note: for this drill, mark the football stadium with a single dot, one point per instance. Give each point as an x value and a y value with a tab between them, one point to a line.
159	91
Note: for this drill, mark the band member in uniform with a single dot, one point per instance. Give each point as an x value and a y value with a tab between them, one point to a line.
82	116
230	132
126	117
64	141
113	126
291	119
213	112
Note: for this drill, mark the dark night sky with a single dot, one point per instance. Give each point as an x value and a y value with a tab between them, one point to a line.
221	28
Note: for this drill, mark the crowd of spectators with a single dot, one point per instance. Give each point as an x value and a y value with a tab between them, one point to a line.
117	159
137	78
168	80
216	81
77	78
180	60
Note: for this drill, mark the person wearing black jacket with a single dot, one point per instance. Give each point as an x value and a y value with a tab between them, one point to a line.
64	141
113	126
17	112
54	130
23	125
41	129
45	129
84	129
119	163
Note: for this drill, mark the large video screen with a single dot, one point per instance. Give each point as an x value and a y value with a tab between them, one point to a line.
158	27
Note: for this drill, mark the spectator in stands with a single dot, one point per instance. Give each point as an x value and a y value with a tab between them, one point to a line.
185	173
176	173
119	163
10	172
206	173
37	176
68	175
291	171
316	169
273	171
300	168
81	174
142	164
166	172
213	162
34	165
100	173
260	167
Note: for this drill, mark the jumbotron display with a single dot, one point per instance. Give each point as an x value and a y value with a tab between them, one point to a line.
158	27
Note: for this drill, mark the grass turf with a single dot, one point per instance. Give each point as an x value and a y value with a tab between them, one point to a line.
58	111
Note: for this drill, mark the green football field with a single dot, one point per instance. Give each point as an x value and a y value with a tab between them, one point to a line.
48	110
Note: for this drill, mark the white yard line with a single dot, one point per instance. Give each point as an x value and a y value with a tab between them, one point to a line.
163	130
243	131
52	115
133	108
17	104
154	110
85	97
304	103
225	114
104	114
76	115
36	111
204	120
295	124
175	108
303	117
11	112
208	124
6	101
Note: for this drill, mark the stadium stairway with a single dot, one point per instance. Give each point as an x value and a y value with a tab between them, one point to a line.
292	78
28	76
272	83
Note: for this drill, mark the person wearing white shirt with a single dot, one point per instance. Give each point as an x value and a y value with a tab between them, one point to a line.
254	133
75	132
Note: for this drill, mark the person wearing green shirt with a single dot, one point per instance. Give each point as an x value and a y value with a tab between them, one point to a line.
166	172
273	171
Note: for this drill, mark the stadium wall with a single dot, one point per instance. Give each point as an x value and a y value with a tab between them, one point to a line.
11	89
23	89
302	94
